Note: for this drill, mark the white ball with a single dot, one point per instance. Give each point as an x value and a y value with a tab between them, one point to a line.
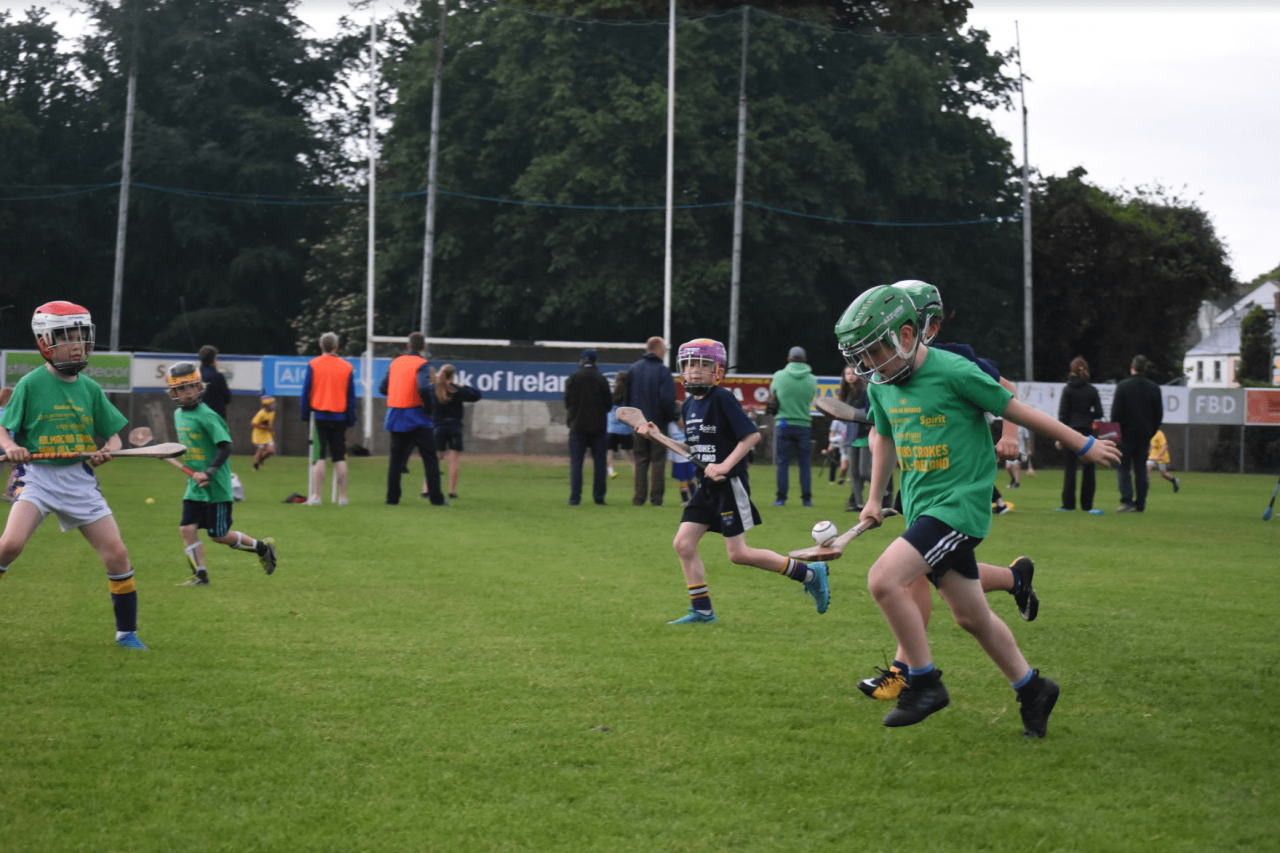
824	532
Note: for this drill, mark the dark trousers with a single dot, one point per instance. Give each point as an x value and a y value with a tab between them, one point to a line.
1088	481
651	470
402	446
579	444
1133	455
797	438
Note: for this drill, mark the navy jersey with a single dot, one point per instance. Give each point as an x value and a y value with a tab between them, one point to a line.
713	427
965	351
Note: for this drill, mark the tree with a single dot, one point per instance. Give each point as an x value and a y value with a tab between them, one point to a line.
1257	348
1115	276
841	126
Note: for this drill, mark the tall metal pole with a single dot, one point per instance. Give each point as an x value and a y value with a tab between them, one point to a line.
373	199
122	213
671	180
1026	220
735	276
429	244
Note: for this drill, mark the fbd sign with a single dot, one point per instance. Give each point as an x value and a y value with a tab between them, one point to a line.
1216	406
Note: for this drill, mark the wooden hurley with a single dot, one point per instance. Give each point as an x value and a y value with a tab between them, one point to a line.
835	549
158	451
842	411
141	437
635	419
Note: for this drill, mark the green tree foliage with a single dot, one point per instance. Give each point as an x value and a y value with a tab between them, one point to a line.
51	145
1116	276
1257	348
573	113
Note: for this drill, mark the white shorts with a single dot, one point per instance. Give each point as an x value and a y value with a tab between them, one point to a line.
68	491
1151	463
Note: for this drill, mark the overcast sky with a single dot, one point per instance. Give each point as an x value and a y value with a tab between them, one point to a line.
1183	93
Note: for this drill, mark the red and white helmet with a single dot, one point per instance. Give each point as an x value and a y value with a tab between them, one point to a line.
53	324
703	351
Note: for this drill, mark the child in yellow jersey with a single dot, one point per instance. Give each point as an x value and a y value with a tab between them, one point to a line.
1159	456
264	433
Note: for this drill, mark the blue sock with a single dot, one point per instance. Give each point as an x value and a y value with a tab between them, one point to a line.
912	674
1022	682
1017	582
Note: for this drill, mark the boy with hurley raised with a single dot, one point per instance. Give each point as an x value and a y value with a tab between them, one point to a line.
208	499
720	434
928	407
55	410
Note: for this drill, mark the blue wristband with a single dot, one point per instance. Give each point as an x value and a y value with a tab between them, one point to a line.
1082	451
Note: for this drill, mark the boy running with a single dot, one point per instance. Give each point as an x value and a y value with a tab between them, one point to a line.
207	502
720	435
928	407
55	410
264	432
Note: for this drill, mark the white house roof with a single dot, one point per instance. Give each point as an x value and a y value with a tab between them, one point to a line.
1264	295
1224	340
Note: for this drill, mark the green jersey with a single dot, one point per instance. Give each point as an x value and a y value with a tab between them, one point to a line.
943	442
47	415
201	429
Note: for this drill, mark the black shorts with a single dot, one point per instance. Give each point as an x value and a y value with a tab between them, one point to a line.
448	437
213	517
724	506
943	548
333	435
620	441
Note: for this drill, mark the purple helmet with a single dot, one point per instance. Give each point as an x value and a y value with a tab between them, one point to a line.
702	351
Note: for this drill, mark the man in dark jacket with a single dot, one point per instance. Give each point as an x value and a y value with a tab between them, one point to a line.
1139	410
216	391
653	392
588	400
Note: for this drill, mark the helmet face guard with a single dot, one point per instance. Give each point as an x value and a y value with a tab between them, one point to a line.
705	353
181	377
928	302
877	317
64	335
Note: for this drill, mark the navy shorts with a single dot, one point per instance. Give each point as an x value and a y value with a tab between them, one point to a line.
943	548
448	437
620	441
724	506
213	517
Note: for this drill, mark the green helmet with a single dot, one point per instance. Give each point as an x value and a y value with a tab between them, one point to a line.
877	316
928	302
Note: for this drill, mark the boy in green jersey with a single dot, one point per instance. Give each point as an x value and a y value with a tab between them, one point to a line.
928	406
54	410
208	499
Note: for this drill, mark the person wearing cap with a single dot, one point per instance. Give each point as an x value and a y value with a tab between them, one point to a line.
410	390
329	396
588	399
264	433
794	387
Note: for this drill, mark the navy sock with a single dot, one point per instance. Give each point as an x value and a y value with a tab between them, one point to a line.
126	607
1017	582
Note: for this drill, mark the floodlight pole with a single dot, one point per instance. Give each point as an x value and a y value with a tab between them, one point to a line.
1026	221
735	275
126	171
373	199
429	244
671	165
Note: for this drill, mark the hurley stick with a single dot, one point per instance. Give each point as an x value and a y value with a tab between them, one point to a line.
635	419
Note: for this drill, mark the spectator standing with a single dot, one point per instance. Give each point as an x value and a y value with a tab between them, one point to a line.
653	392
448	421
410	394
1078	407
588	399
217	394
329	394
1139	410
619	433
794	387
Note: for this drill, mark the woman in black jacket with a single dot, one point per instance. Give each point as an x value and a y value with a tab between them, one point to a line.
1079	407
448	420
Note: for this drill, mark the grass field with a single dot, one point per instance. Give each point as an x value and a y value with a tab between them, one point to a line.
498	675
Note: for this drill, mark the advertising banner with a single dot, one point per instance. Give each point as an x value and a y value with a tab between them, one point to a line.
242	372
111	370
1262	406
496	380
1216	406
